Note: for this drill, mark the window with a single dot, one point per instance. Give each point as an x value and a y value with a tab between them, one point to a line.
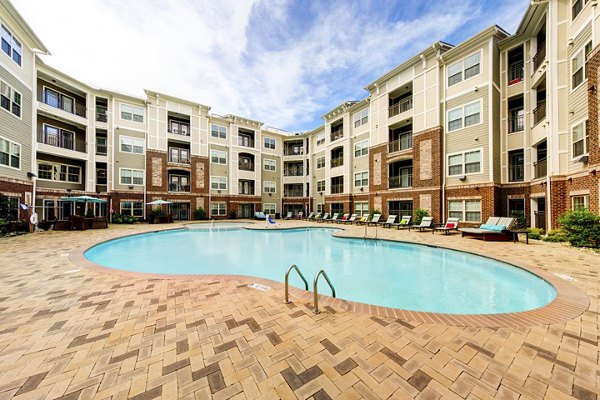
269	186
218	157
320	139
269	143
269	208
464	163
466	210
179	127
361	179
269	165
361	118
320	207
467	115
132	113
132	145
320	162
10	209
10	99
218	182
132	176
179	155
361	148
361	209
580	139
10	154
320	186
516	207
10	45
579	66
577	7
464	69
218	209
580	202
218	131
133	208
59	172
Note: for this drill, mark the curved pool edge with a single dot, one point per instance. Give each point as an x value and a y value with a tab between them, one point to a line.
569	303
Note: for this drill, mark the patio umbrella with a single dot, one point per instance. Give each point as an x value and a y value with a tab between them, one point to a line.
83	199
159	202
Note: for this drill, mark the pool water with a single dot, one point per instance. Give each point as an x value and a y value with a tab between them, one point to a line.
398	275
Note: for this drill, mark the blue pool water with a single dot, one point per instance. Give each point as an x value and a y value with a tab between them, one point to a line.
406	276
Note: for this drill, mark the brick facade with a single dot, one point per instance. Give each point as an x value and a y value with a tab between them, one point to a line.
489	194
17	188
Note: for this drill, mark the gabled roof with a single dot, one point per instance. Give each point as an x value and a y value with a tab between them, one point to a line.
151	93
31	39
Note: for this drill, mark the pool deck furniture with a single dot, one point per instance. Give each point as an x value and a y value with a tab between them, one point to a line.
310	216
343	219
374	220
289	215
451	225
324	218
334	218
365	219
391	219
350	220
405	222
314	217
426	223
260	216
515	235
300	216
495	229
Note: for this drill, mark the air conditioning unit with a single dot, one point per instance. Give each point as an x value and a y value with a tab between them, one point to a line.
583	159
462	177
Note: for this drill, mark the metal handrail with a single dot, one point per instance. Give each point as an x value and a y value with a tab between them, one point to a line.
315	291
287	274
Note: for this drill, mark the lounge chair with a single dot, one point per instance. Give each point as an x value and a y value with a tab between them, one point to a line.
426	223
299	216
374	220
405	222
495	229
450	225
350	220
310	216
390	220
260	215
324	218
334	218
289	215
365	219
343	219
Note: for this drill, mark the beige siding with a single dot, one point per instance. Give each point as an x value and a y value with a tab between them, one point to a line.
126	160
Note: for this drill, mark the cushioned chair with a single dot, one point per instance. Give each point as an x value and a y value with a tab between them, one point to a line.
495	229
324	218
260	215
404	222
426	223
350	220
390	220
450	225
289	215
334	218
374	220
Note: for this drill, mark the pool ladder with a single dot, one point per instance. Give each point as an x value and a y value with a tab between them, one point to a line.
315	285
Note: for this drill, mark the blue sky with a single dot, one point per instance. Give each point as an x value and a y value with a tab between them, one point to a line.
282	62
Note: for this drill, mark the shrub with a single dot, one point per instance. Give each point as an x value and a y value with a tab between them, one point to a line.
89	213
157	212
123	219
419	214
232	214
582	228
520	220
535	233
199	213
373	212
556	236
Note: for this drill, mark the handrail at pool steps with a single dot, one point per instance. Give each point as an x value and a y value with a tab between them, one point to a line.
287	275
315	291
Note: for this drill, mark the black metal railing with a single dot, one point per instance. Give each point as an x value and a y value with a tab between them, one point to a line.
293	150
101	114
515	73
338	188
179	160
516	173
293	193
400	181
400	107
64	103
293	172
62	141
337	162
245	166
179	131
516	124
540	168
101	149
175	187
539	56
337	134
402	143
539	113
245	141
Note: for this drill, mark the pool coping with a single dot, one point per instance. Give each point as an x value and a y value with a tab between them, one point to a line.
570	302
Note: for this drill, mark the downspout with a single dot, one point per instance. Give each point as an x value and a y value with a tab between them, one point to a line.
442	86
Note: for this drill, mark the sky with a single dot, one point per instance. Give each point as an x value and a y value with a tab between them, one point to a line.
282	62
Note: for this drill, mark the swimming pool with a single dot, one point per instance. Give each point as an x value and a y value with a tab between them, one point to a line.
399	275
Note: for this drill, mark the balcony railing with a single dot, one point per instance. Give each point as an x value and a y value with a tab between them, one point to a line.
245	141
337	162
179	160
101	114
179	131
101	149
175	187
299	172
245	166
293	193
400	181
516	124
61	141
400	107
539	113
540	168
540	55
337	134
339	188
70	105
293	151
403	143
515	73
516	173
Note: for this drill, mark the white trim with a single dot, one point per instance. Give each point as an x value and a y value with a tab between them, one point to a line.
53	164
480	101
12	36
585	134
121	104
10	143
132	184
581	49
354	178
219	151
462	72
491	116
481	162
11	99
274	164
464	200
274	186
218	178
365	144
134	139
471	89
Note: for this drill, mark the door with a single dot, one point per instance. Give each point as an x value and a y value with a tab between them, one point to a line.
540	213
246	210
180	211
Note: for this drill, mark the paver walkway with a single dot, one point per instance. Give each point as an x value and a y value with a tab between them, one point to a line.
70	332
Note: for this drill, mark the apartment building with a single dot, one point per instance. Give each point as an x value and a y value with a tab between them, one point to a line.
493	125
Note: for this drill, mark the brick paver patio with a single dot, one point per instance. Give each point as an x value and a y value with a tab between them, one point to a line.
67	331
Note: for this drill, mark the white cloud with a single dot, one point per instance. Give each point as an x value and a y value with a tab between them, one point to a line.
212	52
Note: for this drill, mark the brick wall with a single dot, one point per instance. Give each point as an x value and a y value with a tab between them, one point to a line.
427	159
593	65
156	171
16	188
488	194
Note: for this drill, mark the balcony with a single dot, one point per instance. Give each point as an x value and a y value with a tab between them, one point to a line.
337	162
101	114
294	171
516	173
400	107
293	193
540	56
179	128
338	188
539	113
101	149
515	73
516	124
245	141
404	142
244	165
337	133
61	102
175	187
400	181
179	160
62	141
293	150
540	168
